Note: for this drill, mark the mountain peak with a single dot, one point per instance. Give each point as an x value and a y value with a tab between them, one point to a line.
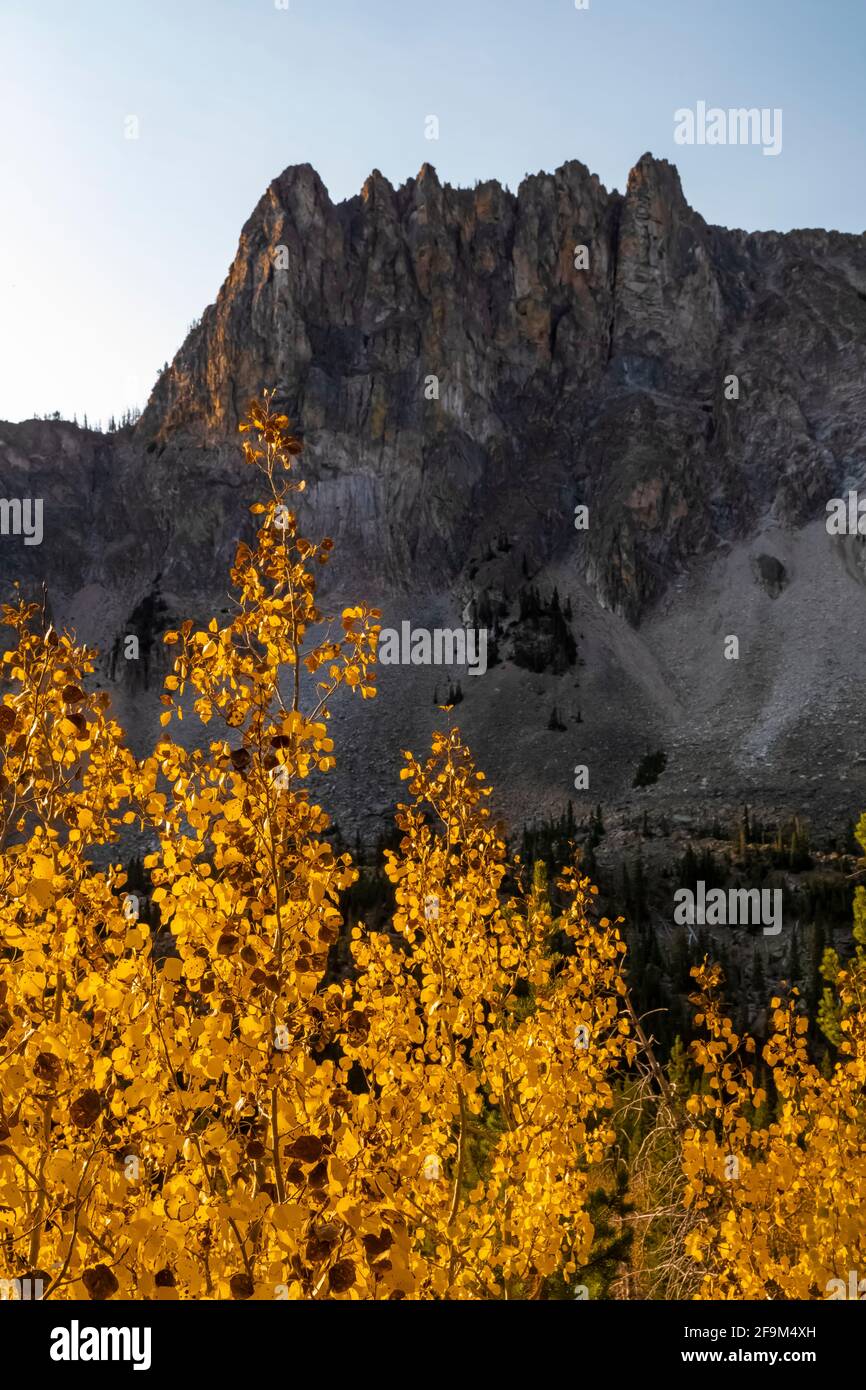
564	297
376	185
469	370
652	172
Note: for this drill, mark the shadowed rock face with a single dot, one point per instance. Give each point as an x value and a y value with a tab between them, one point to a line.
609	386
557	385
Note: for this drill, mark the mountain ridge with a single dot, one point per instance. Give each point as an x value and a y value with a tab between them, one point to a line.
466	368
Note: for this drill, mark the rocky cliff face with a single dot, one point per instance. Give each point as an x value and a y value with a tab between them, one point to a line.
557	385
467	367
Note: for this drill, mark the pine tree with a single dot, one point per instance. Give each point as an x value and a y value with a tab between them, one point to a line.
626	889
554	722
679	1070
794	966
639	882
759	983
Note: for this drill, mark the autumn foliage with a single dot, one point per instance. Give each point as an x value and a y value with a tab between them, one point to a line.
211	1110
779	1203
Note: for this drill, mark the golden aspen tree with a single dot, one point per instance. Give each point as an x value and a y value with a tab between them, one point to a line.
141	1096
778	1204
222	1118
833	1009
72	979
489	1055
212	1111
249	888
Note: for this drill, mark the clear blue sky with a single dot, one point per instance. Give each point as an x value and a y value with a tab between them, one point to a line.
109	247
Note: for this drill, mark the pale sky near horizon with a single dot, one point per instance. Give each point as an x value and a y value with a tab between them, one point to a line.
109	247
